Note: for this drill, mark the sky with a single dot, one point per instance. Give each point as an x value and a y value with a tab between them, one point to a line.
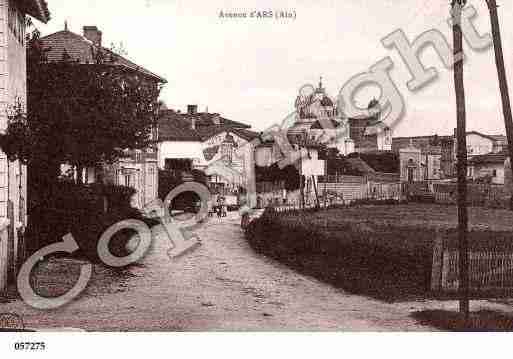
250	70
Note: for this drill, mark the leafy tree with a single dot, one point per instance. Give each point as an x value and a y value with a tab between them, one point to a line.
80	114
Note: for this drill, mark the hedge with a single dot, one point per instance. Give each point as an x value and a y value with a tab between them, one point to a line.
386	261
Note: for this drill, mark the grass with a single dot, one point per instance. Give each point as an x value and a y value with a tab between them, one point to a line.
480	321
422	215
383	251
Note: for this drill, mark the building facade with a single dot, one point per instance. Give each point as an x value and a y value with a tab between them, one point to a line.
420	164
442	144
13	97
487	168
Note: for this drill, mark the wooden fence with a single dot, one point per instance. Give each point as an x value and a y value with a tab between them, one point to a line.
488	270
330	190
478	195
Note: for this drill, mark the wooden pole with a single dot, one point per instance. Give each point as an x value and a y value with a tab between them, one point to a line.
503	82
459	88
318	204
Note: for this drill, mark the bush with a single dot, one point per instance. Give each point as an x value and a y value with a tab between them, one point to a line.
66	207
66	195
366	253
363	258
48	226
117	196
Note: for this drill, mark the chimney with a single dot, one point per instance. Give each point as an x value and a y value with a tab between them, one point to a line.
94	35
192	109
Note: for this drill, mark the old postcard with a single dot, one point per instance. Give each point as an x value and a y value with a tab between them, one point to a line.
264	166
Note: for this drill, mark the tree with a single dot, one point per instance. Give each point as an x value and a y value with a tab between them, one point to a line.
80	114
457	6
501	74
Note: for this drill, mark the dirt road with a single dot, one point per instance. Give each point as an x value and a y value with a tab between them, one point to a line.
222	285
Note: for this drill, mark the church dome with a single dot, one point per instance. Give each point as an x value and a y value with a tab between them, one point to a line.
326	101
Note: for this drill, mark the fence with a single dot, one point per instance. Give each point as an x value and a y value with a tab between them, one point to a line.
478	195
379	177
488	270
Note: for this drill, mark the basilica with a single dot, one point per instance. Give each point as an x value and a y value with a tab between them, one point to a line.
320	121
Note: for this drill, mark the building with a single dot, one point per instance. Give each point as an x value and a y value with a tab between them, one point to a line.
482	144
478	144
319	119
318	124
369	133
487	168
420	164
444	144
13	93
208	142
139	168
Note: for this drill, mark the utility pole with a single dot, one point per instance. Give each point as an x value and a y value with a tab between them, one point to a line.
503	82
457	6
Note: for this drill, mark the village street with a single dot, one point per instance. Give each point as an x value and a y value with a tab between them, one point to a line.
222	285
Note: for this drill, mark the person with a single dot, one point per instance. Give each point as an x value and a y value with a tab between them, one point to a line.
244	213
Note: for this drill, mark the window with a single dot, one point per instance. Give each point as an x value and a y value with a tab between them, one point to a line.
127	180
494	173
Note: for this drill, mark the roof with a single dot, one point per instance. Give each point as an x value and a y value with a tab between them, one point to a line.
495	138
68	44
176	131
501	139
424	143
35	8
326	101
490	158
203	119
174	126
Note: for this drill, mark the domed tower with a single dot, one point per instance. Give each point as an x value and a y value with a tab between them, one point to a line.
313	106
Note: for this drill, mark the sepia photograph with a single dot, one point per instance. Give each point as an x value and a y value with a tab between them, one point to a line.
285	168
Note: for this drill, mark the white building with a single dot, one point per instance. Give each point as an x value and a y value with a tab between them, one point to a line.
13	91
482	144
420	164
202	141
489	167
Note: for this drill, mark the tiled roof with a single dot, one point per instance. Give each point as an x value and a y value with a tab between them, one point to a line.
176	130
66	44
174	126
204	119
35	8
246	134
